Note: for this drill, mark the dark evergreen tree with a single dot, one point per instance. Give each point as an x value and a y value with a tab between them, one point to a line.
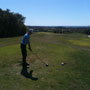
11	24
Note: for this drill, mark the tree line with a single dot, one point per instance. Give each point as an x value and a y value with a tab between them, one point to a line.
80	29
11	24
62	29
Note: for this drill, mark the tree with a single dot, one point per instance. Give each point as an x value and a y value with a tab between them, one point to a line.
11	24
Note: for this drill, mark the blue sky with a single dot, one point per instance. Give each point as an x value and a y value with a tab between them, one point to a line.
51	12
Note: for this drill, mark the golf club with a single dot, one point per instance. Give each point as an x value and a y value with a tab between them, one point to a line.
40	59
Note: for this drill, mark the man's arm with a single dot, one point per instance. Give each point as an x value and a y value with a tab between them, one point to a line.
29	46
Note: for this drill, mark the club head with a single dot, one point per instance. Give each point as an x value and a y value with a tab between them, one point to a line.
46	65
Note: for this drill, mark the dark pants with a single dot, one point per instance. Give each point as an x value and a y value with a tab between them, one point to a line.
24	53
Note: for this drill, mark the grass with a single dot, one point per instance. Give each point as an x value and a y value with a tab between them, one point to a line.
73	49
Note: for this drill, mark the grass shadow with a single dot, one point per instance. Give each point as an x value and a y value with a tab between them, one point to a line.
27	74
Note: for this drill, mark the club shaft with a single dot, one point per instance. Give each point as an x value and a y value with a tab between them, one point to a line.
39	58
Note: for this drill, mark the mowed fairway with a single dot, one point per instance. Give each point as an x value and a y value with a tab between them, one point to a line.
52	49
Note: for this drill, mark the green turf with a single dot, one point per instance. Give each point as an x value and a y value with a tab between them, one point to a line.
73	49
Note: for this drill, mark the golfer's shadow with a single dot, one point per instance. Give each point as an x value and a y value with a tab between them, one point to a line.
27	74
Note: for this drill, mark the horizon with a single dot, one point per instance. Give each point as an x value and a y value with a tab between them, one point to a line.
56	26
51	12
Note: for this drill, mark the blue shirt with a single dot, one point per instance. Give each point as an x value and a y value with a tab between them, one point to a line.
26	39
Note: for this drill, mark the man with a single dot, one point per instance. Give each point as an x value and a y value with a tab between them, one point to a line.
24	42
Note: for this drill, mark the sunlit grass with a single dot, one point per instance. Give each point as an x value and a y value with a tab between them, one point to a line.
84	42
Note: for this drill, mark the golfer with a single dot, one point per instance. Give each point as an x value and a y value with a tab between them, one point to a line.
24	42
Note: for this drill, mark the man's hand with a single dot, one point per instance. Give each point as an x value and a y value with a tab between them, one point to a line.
30	49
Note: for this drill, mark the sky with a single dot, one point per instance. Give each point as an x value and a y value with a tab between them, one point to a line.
51	12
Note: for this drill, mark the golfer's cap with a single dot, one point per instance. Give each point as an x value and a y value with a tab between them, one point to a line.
30	30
